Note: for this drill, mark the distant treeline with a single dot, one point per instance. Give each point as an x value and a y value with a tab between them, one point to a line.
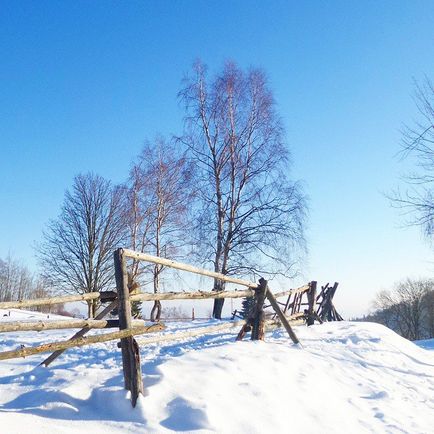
408	309
17	282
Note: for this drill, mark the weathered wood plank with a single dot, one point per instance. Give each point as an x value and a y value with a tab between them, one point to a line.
325	311
257	321
49	301
81	341
186	267
130	352
37	326
109	295
311	298
78	342
197	295
323	288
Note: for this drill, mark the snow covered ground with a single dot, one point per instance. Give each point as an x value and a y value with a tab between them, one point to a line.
348	377
25	315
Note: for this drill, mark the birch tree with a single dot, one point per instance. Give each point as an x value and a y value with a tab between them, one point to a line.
158	200
250	214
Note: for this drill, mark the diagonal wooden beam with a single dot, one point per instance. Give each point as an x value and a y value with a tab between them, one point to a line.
104	337
80	333
281	316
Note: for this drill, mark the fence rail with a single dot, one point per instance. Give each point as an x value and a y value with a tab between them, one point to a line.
38	326
79	342
186	267
142	296
199	295
20	304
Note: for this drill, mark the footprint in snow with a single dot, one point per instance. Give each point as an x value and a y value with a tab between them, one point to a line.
377	395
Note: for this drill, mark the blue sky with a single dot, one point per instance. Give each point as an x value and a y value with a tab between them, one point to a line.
84	83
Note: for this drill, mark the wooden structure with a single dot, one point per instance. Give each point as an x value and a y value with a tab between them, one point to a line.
128	328
326	310
255	321
306	303
130	352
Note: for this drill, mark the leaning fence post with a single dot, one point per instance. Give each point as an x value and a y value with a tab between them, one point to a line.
311	299
130	350
282	317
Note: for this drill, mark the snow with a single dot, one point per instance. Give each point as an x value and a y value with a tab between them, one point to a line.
347	377
25	315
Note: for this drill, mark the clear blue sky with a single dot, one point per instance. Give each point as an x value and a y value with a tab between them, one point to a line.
83	83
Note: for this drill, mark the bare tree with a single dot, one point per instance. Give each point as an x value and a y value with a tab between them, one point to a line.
76	252
418	142
159	191
407	308
41	289
175	313
16	281
250	214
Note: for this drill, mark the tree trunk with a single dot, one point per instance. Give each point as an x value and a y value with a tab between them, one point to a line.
218	308
91	307
218	302
156	311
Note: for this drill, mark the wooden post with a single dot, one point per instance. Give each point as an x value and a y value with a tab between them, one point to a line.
287	304
321	293
258	325
255	320
311	298
327	303
294	304
130	350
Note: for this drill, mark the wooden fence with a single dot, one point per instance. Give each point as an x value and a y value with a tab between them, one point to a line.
128	328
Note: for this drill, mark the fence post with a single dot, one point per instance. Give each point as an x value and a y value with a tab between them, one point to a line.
258	326
130	349
311	299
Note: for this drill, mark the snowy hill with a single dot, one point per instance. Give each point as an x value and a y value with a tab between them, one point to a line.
347	378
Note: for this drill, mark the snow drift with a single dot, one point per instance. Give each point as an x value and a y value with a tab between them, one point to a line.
347	377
